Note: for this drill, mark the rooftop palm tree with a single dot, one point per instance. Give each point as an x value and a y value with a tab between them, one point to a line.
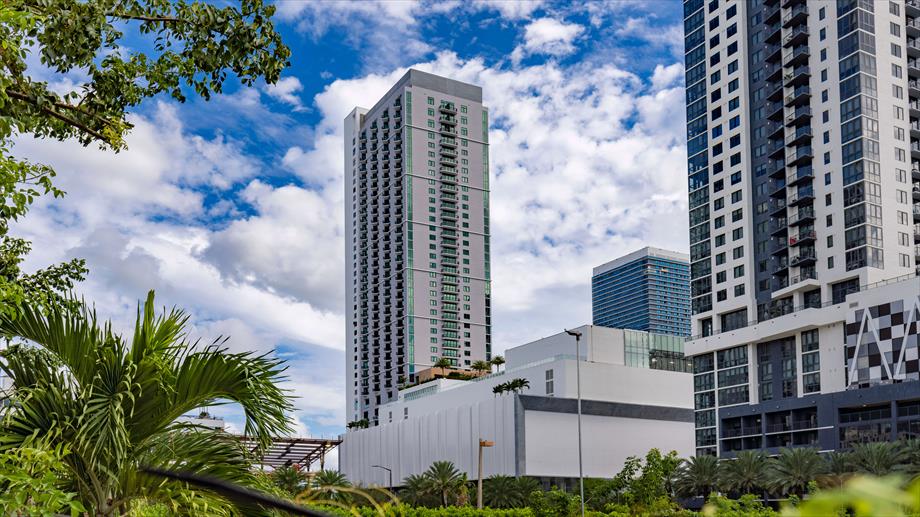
745	474
518	385
442	363
497	362
698	476
444	480
115	403
481	366
878	458
794	469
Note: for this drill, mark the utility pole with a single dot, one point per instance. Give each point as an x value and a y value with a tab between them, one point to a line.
581	474
482	444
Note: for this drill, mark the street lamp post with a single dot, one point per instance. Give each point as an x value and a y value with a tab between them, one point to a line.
389	474
581	474
482	444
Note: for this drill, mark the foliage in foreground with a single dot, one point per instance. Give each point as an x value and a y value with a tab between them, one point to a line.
31	478
114	404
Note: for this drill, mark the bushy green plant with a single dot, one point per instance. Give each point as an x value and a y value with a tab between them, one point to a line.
555	503
403	510
31	480
747	505
863	496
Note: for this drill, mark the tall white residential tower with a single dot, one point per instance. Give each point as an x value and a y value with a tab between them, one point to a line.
417	236
804	150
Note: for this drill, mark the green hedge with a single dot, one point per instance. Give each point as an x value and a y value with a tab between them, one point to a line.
451	511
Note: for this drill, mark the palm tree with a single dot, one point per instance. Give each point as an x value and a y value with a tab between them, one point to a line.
744	474
442	363
116	403
878	458
518	385
838	467
507	491
794	469
911	450
498	389
481	366
698	476
416	490
444	480
290	479
497	361
328	484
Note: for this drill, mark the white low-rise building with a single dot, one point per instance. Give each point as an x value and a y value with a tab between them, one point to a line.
636	395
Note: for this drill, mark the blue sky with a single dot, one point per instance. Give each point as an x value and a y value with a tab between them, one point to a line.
232	208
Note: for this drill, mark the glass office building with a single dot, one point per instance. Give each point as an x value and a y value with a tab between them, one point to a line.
646	290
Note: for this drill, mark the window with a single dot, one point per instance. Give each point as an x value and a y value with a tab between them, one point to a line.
737	234
738	272
738	252
739	289
736	196
549	383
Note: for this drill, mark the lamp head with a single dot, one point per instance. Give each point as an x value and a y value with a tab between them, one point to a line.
573	333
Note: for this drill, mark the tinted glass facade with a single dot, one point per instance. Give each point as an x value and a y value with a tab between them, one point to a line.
650	293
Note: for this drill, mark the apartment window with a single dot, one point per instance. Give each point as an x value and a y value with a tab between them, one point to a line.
737	215
733	104
721	276
720	240
824	75
827	178
827	200
896	70
718	204
431	101
739	289
830	241
894	8
731	12
822	35
736	196
821	13
721	295
715	77
738	252
894	28
895	50
734	122
738	272
549	383
830	262
732	85
733	66
720	259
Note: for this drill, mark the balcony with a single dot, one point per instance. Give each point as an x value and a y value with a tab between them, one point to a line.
449	152
776	151
913	26
798	155
801	175
773	33
798	75
802	216
448	142
448	187
777	169
798	115
778	188
797	56
916	213
779	227
802	238
773	53
913	47
800	95
447	161
799	136
795	36
775	111
447	131
797	15
912	7
777	207
802	196
775	89
448	107
771	14
447	119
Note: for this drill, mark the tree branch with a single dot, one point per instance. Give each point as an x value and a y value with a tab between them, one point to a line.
60	116
163	19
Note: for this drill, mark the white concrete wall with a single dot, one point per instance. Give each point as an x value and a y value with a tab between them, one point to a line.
410	446
551	446
598	344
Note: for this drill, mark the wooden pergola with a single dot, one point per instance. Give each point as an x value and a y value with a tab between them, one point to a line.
293	451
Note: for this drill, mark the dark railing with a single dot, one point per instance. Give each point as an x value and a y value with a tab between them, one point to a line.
768	317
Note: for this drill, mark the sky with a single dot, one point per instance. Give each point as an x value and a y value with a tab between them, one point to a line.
232	209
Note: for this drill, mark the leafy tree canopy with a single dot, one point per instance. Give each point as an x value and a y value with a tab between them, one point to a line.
194	47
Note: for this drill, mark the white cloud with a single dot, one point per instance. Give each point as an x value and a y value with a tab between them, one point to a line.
286	90
670	37
551	36
667	76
